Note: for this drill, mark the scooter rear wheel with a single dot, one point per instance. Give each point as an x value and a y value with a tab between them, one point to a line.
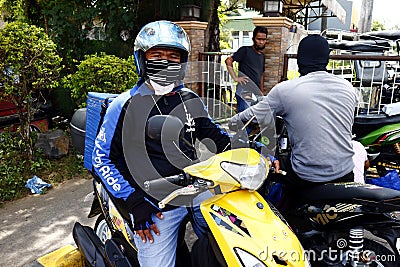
101	229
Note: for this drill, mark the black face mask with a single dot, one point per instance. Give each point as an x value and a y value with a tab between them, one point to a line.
162	71
313	54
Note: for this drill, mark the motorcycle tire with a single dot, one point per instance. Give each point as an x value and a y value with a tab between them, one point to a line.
101	229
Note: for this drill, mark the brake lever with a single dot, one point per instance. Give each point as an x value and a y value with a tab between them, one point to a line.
188	190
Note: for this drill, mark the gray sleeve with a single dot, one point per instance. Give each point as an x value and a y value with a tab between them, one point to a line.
265	110
262	112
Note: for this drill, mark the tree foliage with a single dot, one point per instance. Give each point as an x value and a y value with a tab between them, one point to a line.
101	73
377	26
29	64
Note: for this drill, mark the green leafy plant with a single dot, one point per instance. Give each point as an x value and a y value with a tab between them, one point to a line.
15	171
101	73
29	64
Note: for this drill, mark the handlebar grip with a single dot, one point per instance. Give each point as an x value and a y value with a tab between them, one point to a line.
165	183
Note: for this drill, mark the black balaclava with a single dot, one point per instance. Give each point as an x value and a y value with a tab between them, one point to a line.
313	54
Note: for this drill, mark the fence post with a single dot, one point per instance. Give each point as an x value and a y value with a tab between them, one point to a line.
196	32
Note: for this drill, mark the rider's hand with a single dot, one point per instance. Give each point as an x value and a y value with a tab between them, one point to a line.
242	80
274	163
143	223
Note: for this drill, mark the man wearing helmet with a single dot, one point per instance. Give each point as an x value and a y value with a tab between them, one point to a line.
125	156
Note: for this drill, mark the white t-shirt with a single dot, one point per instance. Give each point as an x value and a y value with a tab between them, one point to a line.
359	159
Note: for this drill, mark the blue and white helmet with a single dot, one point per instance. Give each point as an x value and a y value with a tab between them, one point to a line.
160	34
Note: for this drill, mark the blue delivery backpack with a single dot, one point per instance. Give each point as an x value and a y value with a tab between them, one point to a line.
96	107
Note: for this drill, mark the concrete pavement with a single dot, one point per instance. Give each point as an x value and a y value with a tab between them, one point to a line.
38	224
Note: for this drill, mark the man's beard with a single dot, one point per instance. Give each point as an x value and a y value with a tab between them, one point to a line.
259	48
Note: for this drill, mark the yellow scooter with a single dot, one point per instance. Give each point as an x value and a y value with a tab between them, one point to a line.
244	229
248	230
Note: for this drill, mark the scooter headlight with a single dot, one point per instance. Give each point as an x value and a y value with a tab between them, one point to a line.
247	259
249	177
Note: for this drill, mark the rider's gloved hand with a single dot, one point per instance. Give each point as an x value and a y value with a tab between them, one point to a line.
143	223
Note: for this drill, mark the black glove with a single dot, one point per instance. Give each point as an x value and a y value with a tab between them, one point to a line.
142	213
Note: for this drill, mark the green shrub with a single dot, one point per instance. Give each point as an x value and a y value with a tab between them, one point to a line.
16	169
14	166
101	73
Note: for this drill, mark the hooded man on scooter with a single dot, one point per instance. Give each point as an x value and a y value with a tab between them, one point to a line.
318	110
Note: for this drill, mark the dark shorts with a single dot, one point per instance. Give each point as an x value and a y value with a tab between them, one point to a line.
292	181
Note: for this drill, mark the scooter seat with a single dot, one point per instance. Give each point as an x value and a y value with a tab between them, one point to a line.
348	191
364	124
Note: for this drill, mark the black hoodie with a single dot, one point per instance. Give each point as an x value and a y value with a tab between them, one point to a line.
313	54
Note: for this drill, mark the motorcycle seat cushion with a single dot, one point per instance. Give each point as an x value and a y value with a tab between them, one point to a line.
348	191
364	124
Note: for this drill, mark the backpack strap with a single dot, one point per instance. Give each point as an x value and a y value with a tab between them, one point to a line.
104	107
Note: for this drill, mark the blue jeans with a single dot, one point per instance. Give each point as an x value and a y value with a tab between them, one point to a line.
241	104
162	252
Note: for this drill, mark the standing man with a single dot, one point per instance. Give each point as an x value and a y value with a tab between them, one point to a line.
251	67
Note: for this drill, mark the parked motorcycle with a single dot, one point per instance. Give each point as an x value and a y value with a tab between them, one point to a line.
244	229
348	224
380	135
343	224
376	126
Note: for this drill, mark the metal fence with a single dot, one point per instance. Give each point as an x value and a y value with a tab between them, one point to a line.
217	87
377	78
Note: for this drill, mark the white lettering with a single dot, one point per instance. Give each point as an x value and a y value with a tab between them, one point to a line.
116	187
111	180
102	135
105	171
97	144
106	176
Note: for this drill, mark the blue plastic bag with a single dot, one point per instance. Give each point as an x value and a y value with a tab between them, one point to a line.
390	180
36	185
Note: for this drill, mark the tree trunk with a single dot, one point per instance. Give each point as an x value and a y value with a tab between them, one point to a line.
366	16
213	28
24	114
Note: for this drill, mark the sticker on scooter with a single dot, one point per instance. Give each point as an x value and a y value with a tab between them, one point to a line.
331	213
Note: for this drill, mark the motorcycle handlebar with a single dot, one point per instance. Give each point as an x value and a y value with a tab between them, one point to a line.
180	180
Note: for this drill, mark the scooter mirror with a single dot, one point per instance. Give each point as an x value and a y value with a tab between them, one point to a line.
166	125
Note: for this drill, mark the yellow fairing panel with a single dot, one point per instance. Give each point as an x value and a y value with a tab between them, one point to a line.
256	229
211	168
